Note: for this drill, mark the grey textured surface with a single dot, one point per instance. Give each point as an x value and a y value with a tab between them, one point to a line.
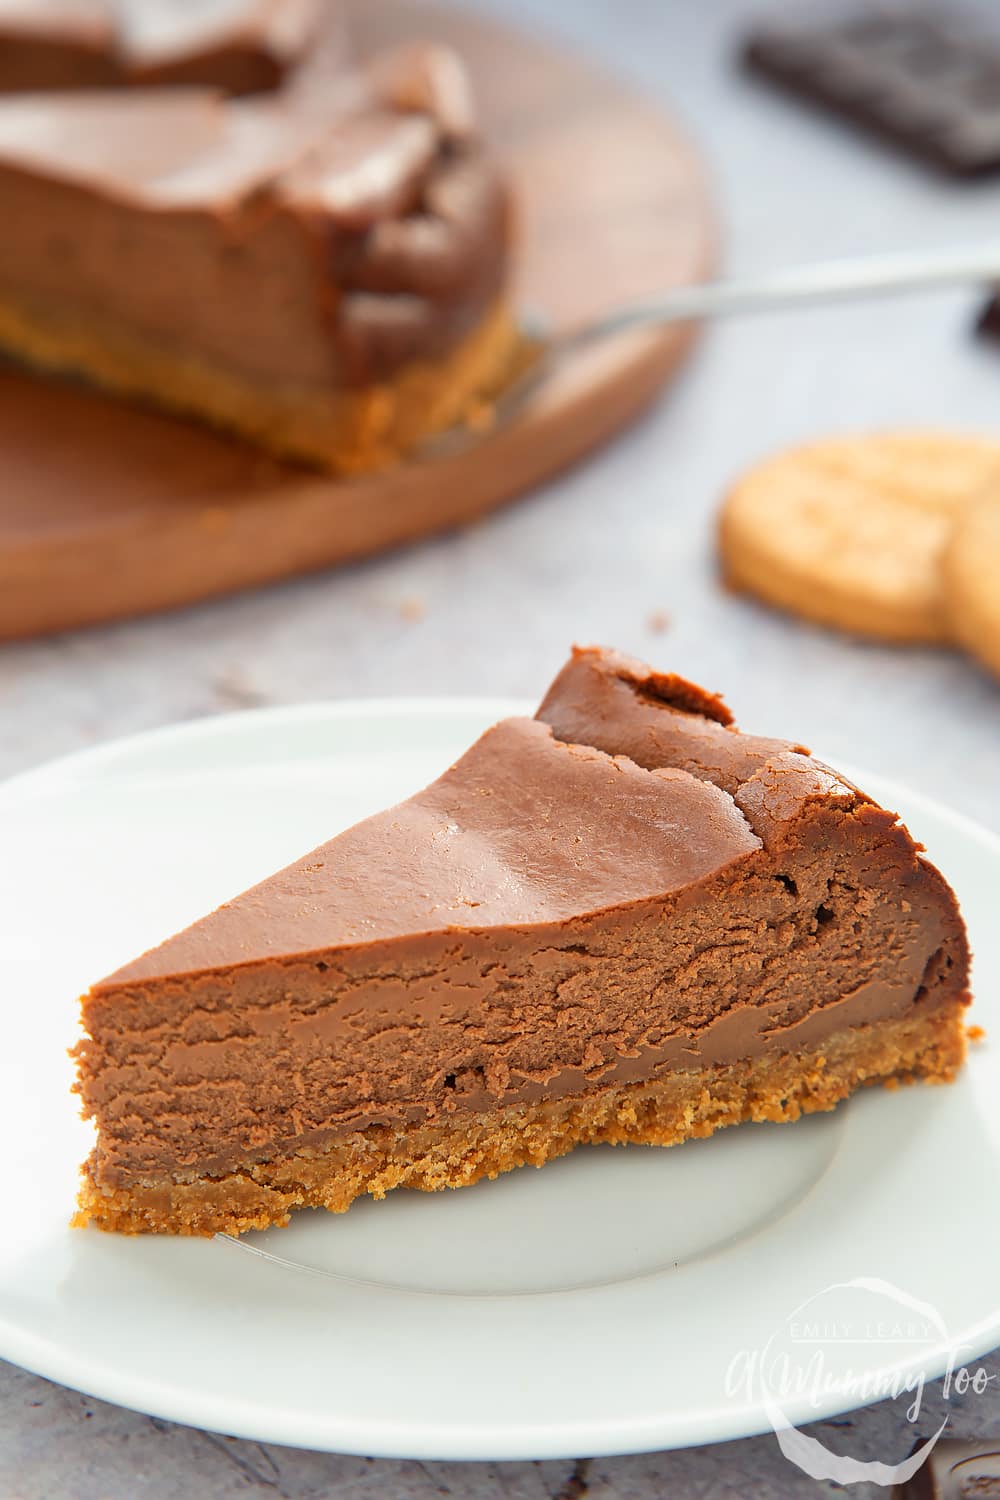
593	557
55	1443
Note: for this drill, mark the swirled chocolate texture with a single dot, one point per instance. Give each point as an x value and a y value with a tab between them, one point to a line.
622	920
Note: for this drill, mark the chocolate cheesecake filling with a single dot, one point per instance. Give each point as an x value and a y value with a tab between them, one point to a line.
622	890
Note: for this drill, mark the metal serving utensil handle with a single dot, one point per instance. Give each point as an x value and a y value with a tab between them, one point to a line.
796	286
825	281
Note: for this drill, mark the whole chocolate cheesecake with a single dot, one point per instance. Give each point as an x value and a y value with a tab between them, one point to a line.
321	271
241	46
620	921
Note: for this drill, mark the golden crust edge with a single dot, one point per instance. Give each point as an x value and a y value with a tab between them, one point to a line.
347	431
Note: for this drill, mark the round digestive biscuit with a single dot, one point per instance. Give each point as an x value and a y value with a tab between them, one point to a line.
849	532
971	579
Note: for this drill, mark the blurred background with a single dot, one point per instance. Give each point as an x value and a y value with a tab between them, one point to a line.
622	548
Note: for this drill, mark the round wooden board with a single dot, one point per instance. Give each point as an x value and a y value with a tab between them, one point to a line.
107	510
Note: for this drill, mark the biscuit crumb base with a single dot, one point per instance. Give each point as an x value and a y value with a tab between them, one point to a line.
676	1107
344	430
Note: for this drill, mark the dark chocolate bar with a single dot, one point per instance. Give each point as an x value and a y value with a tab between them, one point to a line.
988	321
955	1470
928	84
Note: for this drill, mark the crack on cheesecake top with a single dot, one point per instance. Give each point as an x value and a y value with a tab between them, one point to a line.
666	689
620	706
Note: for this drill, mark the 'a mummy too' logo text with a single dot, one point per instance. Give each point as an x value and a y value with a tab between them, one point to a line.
850	1344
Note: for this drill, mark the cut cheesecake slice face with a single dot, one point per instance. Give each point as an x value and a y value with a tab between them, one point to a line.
240	46
321	272
619	921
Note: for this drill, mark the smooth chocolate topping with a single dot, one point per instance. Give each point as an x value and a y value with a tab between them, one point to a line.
156	149
373	222
547	916
87	20
425	78
121	144
156	33
80	21
522	830
236	45
372	167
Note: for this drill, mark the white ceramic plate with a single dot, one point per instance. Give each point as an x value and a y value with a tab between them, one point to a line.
611	1303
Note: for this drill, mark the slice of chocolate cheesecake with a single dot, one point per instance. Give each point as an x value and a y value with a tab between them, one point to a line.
321	272
620	921
241	46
